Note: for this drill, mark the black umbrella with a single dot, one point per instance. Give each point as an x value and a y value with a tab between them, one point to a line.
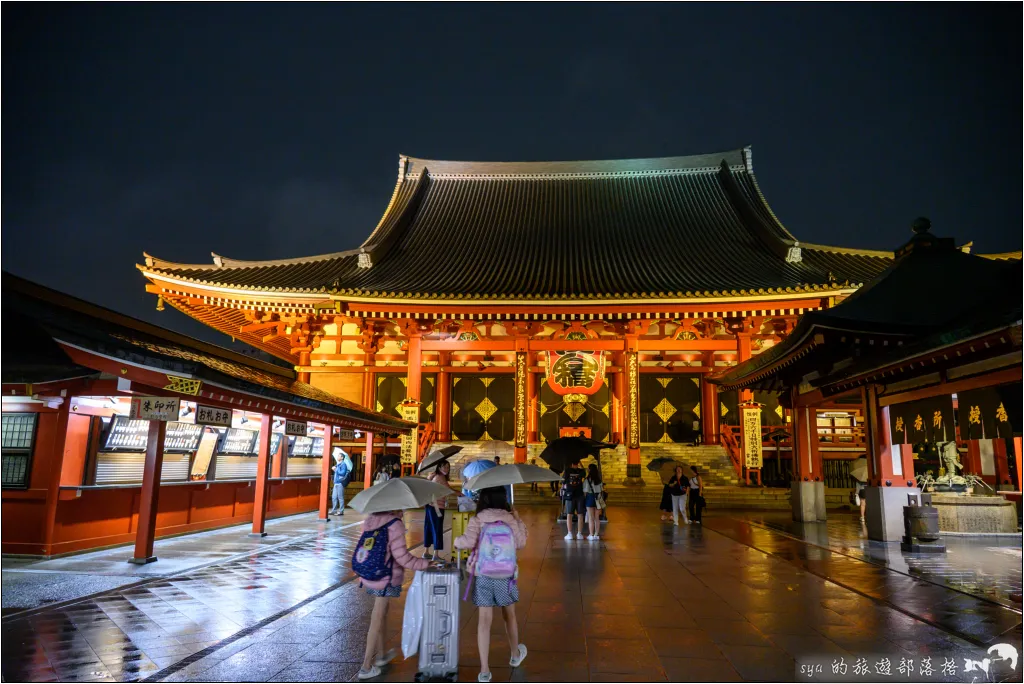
562	452
388	460
435	458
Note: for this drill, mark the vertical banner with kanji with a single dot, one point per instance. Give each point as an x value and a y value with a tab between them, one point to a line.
411	413
521	371
750	416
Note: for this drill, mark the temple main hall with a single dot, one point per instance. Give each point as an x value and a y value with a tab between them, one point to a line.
504	304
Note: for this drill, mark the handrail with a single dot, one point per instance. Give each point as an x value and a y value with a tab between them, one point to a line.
731	443
427	437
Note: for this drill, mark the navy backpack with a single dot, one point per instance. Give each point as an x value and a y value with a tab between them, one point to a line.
371	560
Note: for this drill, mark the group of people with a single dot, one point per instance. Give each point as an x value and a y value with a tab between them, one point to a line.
583	494
683	496
494	534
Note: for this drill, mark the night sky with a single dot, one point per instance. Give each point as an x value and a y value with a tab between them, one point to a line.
271	131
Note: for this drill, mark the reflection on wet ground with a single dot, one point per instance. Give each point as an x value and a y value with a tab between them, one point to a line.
987	566
648	602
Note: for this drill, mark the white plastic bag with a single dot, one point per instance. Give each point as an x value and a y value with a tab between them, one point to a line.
412	621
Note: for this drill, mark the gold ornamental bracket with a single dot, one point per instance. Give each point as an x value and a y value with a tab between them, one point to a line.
183	385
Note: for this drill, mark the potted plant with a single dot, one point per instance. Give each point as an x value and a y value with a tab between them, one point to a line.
926	482
973	481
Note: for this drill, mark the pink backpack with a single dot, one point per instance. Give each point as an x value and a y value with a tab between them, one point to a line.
496	551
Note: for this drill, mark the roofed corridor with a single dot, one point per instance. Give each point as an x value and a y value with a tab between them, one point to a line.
649	602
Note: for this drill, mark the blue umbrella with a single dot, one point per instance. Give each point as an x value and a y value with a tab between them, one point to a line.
475	468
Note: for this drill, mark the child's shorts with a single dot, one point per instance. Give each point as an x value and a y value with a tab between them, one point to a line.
489	592
388	592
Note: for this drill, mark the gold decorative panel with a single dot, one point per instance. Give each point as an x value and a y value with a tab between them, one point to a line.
184	385
664	410
486	409
696	410
574	410
543	409
604	410
725	410
487	381
696	381
778	410
664	381
430	408
665	438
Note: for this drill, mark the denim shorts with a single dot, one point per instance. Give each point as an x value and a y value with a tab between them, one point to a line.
576	505
388	592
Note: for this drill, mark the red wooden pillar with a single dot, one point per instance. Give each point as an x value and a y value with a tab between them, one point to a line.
368	378
56	461
1017	458
709	403
278	462
415	369
259	504
304	362
632	371
443	402
743	354
325	473
150	495
807	462
618	391
893	464
1001	457
368	462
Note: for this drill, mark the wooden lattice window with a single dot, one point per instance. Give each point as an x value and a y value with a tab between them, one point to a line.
18	434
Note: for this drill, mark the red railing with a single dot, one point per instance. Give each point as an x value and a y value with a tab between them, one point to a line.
730	439
829	438
427	437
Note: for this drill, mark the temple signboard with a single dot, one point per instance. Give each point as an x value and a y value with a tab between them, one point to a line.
298	428
155	408
752	448
411	413
211	415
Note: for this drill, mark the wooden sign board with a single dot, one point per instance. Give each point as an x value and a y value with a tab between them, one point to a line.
211	415
295	427
346	435
155	408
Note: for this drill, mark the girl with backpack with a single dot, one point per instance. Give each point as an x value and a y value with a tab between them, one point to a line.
593	491
379	559
494	534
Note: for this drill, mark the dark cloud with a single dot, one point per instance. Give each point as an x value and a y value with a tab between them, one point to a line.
273	131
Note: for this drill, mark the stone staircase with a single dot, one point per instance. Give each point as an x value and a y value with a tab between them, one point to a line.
722	487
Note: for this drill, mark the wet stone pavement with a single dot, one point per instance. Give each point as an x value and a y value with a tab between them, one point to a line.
648	602
988	566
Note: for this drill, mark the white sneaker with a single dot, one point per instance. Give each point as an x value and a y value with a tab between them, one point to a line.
579	535
597	537
386	658
569	536
515	661
483	677
591	537
368	674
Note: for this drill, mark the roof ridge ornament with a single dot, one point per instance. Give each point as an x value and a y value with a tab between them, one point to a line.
218	260
793	254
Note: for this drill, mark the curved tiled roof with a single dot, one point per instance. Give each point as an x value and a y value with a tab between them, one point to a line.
642	228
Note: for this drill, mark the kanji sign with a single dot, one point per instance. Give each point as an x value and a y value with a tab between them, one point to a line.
155	408
346	435
410	412
211	415
752	447
295	427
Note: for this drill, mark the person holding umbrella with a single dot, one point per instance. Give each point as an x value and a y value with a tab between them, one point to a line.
382	553
678	486
572	496
433	520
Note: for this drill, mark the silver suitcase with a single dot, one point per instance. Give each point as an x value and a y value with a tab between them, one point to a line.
439	640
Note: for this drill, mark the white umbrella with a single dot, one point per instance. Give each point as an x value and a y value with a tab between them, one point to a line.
398	494
516	473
